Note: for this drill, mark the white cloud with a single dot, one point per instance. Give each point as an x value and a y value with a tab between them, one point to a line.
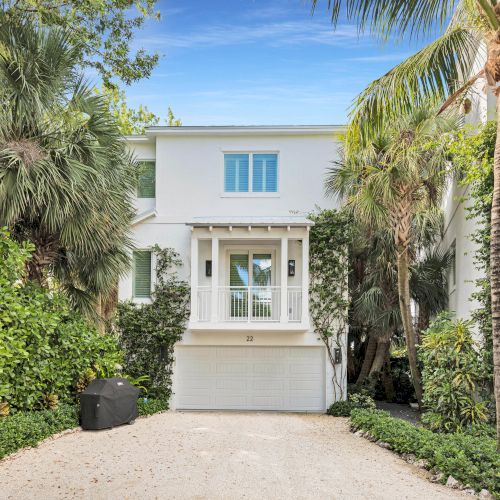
272	34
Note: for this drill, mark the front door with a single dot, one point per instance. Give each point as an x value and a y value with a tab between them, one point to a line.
250	285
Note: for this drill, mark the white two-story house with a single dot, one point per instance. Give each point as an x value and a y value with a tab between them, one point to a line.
233	201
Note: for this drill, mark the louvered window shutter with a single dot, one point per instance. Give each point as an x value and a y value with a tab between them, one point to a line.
265	173
142	274
146	187
236	173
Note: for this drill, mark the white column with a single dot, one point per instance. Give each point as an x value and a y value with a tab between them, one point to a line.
305	279
194	277
284	281
215	279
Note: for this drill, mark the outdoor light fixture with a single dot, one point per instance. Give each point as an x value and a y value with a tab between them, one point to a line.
208	268
337	355
291	267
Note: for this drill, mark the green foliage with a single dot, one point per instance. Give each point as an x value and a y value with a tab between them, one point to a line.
329	239
453	376
133	121
148	332
28	429
471	152
356	400
66	175
147	406
45	347
103	30
471	459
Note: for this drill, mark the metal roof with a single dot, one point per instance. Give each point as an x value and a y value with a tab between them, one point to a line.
243	221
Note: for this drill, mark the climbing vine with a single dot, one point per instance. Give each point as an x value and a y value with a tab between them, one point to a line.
148	332
472	156
330	238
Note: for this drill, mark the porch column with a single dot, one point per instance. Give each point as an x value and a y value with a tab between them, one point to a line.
305	278
215	278
194	277
284	281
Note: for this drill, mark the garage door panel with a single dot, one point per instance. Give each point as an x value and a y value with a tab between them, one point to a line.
250	378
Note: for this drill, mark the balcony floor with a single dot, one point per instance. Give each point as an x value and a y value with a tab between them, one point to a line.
246	326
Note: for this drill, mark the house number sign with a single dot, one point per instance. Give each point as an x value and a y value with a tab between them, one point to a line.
249	338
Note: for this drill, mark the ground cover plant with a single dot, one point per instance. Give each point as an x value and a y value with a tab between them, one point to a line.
470	457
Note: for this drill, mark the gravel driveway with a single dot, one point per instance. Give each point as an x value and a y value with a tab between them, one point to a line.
216	455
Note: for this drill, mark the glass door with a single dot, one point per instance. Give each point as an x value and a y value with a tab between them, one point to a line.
250	285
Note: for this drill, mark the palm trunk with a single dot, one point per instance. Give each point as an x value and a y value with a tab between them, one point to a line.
404	305
383	344
387	379
495	271
371	347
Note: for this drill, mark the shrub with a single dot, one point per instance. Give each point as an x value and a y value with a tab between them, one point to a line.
148	332
45	347
356	400
471	459
454	376
148	406
28	429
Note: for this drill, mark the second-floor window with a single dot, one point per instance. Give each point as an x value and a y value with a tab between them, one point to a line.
251	172
146	184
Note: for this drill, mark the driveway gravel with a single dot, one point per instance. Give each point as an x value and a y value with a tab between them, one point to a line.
216	455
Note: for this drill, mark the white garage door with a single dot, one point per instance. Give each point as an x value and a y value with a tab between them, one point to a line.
250	378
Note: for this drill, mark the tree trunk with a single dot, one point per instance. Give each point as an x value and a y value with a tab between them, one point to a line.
383	344
423	321
404	305
387	381
495	270
371	346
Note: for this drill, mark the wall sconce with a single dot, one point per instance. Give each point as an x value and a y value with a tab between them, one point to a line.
208	268
291	267
337	355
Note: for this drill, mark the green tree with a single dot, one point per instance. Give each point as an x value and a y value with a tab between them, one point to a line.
103	31
444	68
133	121
66	177
396	182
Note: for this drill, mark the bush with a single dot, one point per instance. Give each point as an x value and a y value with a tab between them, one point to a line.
454	377
356	400
471	459
148	332
148	406
28	429
45	347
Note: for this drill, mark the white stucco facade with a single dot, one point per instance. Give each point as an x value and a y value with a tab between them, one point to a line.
271	359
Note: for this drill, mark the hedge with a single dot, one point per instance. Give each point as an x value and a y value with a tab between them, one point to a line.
472	459
26	429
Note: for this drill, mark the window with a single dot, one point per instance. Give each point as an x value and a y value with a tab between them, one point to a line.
142	274
265	173
257	173
236	173
146	186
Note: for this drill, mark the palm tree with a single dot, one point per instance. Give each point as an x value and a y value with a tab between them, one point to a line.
394	183
446	68
65	173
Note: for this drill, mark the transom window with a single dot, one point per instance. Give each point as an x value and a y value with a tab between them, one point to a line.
251	172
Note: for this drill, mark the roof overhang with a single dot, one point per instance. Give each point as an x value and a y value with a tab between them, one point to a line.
246	130
250	221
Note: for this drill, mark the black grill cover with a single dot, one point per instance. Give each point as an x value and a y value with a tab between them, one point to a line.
107	402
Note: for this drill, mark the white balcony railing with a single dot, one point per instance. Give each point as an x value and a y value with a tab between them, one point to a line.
248	304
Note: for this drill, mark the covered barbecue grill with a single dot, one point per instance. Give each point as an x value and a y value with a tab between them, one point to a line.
108	402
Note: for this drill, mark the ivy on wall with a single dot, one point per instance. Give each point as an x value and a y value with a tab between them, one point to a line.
148	332
330	239
472	156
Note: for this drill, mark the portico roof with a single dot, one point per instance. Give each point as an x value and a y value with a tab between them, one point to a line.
255	221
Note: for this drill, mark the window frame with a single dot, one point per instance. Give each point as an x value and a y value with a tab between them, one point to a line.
146	160
250	193
134	274
452	276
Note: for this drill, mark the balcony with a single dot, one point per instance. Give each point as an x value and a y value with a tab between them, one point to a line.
250	277
252	304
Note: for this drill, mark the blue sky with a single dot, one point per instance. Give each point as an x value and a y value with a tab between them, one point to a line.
257	62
